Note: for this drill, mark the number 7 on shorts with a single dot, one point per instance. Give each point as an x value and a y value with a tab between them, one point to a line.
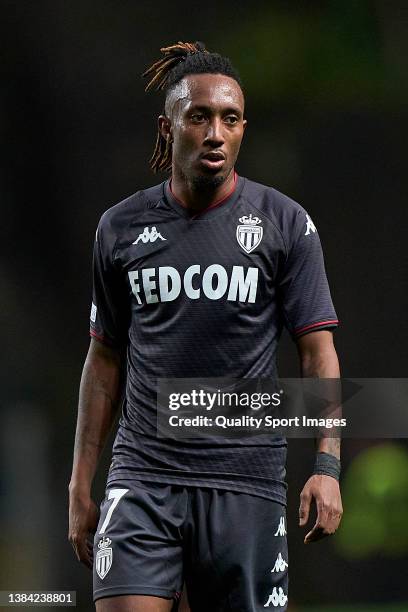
116	495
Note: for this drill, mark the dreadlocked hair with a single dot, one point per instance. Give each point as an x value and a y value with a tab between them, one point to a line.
177	62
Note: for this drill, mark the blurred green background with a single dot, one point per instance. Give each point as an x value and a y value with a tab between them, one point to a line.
326	93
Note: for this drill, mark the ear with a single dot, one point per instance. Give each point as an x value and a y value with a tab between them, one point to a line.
244	124
164	125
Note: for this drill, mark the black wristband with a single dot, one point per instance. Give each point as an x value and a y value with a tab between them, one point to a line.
327	464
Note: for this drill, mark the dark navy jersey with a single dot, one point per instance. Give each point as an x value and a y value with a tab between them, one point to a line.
204	296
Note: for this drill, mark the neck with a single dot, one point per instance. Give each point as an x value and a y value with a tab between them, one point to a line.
200	197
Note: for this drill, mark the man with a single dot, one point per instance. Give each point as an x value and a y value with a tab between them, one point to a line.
186	285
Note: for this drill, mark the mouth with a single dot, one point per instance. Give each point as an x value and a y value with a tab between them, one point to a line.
213	160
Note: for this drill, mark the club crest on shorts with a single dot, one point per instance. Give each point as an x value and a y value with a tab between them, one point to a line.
103	561
249	235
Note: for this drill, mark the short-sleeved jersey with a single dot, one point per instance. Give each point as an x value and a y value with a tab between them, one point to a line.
204	296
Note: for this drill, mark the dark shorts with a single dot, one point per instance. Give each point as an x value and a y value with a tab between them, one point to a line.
229	548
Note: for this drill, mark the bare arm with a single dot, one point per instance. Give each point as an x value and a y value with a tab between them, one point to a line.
99	396
318	358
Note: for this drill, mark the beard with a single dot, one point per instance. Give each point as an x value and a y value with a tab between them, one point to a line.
206	182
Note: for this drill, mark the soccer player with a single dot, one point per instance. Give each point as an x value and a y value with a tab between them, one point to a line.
196	277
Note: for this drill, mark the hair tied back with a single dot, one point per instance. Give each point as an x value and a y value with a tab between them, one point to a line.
172	55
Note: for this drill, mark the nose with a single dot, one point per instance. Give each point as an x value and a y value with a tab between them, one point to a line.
214	136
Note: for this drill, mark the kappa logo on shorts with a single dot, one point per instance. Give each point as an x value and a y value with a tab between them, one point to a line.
277	598
103	561
248	234
280	564
281	531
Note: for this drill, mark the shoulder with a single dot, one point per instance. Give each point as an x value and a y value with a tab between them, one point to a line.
284	212
133	206
116	219
271	201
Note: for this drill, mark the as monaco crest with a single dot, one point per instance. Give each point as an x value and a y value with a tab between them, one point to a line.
103	560
249	235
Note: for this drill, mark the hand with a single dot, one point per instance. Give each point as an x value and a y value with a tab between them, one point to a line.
325	491
83	521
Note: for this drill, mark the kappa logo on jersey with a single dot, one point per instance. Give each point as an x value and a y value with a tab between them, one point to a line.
249	235
149	235
280	564
281	531
277	598
93	312
103	560
164	284
310	226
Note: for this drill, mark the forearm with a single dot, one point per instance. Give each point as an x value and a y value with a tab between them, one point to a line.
99	396
323	363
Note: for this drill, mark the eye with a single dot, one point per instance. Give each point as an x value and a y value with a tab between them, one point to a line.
231	119
197	118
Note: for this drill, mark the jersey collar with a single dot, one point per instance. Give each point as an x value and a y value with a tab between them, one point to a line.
217	208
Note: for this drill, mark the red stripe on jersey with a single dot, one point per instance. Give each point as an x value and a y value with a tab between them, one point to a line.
330	322
97	336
